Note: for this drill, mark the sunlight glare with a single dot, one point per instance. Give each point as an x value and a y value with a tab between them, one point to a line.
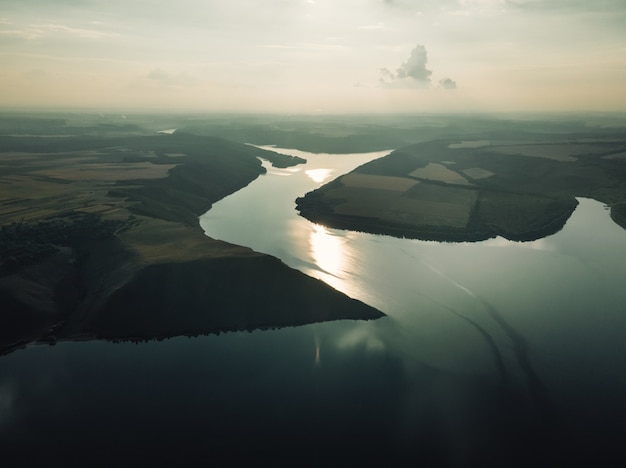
327	250
319	175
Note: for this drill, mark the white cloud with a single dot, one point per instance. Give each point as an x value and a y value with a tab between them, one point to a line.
415	66
411	72
447	83
414	73
299	51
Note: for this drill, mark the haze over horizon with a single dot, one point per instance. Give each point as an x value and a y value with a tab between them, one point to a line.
315	56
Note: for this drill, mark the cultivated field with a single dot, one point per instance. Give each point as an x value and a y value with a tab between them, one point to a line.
34	186
421	204
100	238
477	173
440	173
108	171
469	144
557	152
376	182
476	189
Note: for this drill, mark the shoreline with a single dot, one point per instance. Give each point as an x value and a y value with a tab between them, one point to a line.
156	241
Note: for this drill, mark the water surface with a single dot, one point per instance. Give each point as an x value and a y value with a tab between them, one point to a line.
492	354
545	319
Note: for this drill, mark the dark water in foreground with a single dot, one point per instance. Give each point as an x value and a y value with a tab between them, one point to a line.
492	354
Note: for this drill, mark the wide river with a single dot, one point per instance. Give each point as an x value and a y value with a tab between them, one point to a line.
494	353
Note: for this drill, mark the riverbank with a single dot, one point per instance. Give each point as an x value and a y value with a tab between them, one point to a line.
91	251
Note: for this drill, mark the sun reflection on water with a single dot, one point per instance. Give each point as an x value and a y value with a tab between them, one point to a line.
327	250
336	261
319	175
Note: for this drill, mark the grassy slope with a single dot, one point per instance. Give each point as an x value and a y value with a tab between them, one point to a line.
71	294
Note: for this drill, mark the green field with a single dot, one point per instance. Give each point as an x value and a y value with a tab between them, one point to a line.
476	189
95	230
439	173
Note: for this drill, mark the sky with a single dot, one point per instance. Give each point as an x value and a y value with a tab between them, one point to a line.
314	56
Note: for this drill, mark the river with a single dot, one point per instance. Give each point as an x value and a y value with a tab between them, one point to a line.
544	318
491	354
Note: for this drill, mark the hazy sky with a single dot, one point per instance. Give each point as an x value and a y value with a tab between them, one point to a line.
315	55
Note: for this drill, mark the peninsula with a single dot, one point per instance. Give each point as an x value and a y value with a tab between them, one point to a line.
475	189
100	239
